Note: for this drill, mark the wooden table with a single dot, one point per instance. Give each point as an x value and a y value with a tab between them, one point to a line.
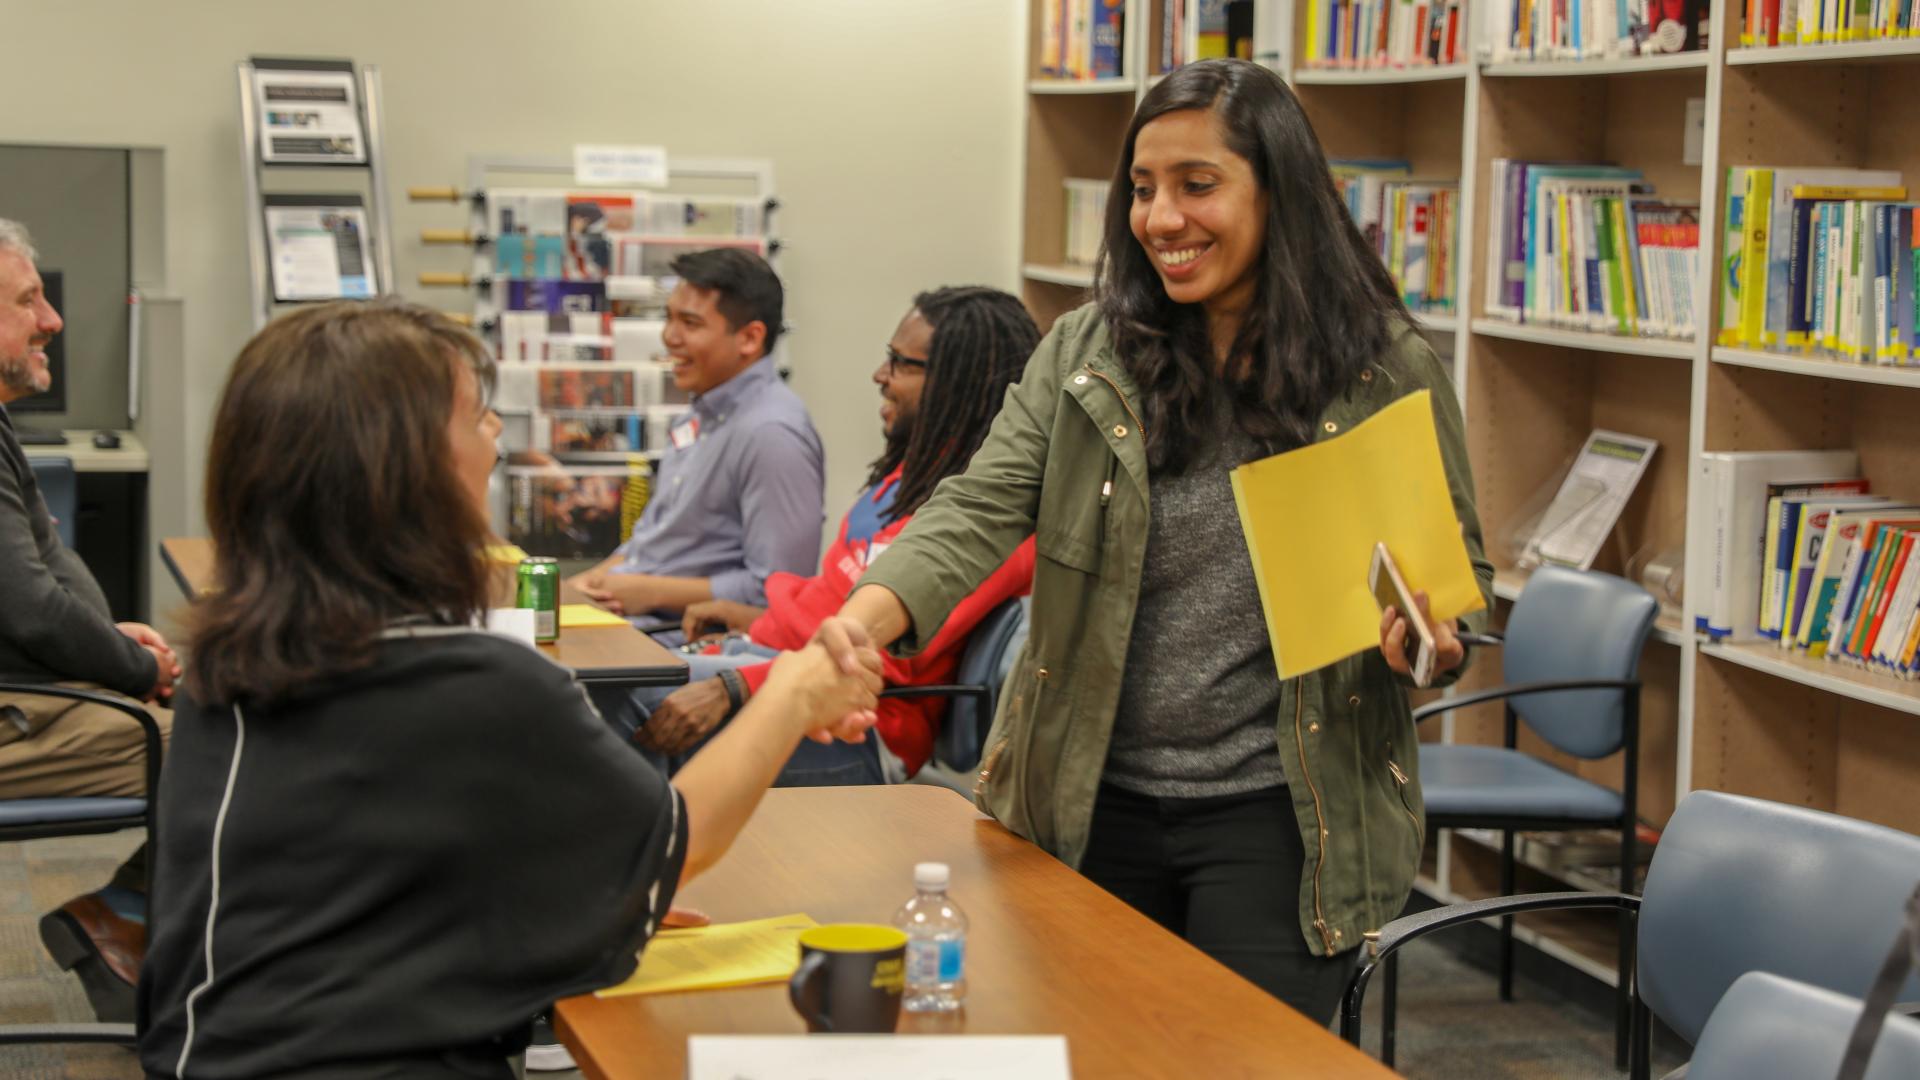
597	655
1048	952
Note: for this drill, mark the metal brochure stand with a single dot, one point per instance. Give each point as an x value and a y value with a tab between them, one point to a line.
254	167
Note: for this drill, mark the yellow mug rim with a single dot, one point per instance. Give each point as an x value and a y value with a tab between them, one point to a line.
853	938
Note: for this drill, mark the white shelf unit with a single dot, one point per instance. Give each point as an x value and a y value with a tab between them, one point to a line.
1378	76
1507	585
1584	339
1630	65
1071	274
1833	677
1082	86
1819	367
1840	52
1437	322
1737	718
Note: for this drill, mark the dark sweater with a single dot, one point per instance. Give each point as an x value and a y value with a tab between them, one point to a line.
54	622
409	863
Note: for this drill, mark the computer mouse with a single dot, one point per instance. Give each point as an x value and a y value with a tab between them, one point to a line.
106	440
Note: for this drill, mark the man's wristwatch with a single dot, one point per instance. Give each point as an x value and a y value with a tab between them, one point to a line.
736	689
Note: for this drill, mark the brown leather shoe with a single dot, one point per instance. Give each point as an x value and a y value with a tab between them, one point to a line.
84	936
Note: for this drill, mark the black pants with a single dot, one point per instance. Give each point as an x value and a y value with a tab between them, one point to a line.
1223	873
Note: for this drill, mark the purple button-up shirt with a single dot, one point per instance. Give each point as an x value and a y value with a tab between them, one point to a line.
741	500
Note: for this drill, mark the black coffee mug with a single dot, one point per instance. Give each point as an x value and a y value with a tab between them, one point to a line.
850	978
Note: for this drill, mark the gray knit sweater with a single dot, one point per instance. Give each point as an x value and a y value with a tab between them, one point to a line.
1200	692
55	625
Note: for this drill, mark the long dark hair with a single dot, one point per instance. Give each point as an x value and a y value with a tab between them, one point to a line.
982	339
332	498
1322	300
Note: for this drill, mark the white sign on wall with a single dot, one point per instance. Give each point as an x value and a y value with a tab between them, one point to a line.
595	163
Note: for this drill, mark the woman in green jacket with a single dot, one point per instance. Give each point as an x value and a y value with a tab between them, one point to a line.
1144	735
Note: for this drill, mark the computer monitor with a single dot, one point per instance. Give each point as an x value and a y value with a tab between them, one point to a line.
55	399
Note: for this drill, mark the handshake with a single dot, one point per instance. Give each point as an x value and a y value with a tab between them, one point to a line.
831	687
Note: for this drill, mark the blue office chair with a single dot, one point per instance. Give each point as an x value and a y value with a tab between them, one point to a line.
978	677
1737	885
1578	634
38	818
1772	1028
60	487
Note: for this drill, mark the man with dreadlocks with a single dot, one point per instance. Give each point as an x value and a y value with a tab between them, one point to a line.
947	370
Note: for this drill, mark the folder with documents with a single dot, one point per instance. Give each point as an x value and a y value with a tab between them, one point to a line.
1312	515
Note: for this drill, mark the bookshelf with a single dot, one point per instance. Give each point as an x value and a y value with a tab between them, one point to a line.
1751	719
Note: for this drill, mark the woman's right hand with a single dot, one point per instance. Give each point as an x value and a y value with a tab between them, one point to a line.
825	700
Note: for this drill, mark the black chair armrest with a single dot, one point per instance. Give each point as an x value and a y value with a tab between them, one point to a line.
1479	697
655	624
943	690
1488	640
150	726
1402	931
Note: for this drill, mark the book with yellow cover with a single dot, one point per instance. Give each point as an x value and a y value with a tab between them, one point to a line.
1312	516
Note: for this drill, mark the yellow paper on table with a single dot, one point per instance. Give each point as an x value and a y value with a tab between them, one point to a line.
506	553
574	616
1311	517
724	954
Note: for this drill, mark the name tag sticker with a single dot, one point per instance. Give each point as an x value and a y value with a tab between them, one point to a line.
684	435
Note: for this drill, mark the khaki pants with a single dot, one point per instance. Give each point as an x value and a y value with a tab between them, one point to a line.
72	747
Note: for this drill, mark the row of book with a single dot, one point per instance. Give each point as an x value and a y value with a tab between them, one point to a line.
547	234
1173	35
1588	247
1082	39
1770	23
1086	219
1225	29
1821	262
1809	559
1412	224
1385	33
573	506
1525	30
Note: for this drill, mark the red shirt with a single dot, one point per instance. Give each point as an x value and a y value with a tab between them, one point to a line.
796	606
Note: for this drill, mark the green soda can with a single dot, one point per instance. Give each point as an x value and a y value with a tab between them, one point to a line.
539	589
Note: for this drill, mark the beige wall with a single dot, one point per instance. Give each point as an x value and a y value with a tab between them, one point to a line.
891	124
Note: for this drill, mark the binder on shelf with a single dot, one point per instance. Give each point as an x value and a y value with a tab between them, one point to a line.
1735	509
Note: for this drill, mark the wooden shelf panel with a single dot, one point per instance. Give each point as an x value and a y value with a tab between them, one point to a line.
1581	339
1820	115
1752	408
1635	65
1850	52
1763	728
1069	136
1819	367
1420	123
1047	301
1846	680
1378	76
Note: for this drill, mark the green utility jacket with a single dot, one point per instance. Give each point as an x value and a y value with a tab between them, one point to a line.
1065	463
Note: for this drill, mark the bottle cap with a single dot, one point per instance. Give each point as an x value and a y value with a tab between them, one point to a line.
930	875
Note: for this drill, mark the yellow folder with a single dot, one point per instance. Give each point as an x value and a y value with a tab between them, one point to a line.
710	957
580	616
1311	517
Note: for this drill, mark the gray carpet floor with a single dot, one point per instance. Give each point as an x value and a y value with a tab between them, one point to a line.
1452	1027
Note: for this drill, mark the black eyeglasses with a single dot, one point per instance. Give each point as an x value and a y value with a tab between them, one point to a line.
895	362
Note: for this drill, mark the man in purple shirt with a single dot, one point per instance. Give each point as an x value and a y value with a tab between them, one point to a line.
740	493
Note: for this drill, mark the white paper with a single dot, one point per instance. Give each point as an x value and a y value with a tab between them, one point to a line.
1695	140
319	253
1589	501
308	117
595	163
513	622
877	1057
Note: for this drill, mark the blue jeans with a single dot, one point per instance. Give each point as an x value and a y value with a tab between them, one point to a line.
813	764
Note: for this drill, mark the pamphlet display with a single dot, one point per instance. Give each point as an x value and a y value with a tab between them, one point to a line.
317	248
1589	501
308	117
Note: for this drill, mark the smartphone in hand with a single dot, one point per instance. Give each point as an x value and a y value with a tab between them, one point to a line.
1390	591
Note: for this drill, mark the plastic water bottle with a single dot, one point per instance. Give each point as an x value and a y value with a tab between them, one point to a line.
936	943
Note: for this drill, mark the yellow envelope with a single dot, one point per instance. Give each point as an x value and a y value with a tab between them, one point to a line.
724	954
575	616
1311	517
509	554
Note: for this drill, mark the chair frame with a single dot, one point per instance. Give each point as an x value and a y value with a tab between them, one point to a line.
1381	949
1627	823
978	691
117	1034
